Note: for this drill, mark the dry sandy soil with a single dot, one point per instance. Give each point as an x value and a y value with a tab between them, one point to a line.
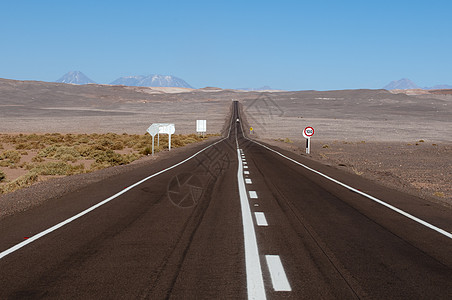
369	132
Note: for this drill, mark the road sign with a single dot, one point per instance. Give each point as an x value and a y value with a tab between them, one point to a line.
158	128
201	126
308	132
166	128
153	129
251	129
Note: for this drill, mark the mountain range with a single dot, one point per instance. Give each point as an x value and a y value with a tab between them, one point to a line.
152	80
77	77
406	84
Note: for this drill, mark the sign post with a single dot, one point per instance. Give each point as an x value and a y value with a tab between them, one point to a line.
157	128
168	129
153	130
308	132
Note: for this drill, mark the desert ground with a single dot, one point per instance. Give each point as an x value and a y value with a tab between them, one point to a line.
400	139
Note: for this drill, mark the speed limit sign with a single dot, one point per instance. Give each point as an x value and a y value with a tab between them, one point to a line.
308	132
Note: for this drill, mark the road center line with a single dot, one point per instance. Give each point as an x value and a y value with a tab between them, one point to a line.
254	279
248	181
277	273
260	219
253	194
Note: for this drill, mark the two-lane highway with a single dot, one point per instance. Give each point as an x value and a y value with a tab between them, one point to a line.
236	220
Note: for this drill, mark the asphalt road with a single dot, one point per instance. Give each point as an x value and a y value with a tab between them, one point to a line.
234	220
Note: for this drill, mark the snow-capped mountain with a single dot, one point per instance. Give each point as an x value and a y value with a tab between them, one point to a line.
75	77
152	80
402	84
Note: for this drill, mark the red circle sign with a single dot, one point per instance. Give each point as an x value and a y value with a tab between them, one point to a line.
308	131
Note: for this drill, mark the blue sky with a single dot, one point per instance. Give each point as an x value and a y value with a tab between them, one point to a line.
293	45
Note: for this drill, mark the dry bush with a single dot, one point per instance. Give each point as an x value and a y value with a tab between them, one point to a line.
23	181
56	168
9	158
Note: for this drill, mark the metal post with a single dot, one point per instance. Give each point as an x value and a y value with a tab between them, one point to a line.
153	145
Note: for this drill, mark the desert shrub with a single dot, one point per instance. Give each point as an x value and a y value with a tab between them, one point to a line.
56	168
2	176
23	181
287	140
9	158
64	153
146	151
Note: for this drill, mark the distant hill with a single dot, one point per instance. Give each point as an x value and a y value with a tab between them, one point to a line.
402	84
75	77
440	87
264	88
406	84
152	80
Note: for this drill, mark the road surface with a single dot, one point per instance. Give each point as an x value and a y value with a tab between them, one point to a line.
238	220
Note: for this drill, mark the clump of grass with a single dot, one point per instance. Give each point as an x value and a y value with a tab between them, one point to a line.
439	194
2	176
56	168
421	141
64	153
9	158
289	141
21	182
325	146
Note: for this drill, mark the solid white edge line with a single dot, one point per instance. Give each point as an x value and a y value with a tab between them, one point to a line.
422	222
61	224
277	274
260	219
254	279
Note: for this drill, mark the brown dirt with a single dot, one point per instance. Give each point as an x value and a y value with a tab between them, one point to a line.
418	168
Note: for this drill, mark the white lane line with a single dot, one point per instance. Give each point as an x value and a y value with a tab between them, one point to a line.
245	163
253	194
245	167
260	219
248	181
61	224
403	213
277	274
254	279
246	172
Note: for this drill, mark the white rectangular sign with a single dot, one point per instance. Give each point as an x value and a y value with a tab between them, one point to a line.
201	125
166	128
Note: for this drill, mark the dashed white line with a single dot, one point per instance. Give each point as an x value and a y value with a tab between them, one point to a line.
245	167
248	181
277	274
246	172
260	219
254	278
253	194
